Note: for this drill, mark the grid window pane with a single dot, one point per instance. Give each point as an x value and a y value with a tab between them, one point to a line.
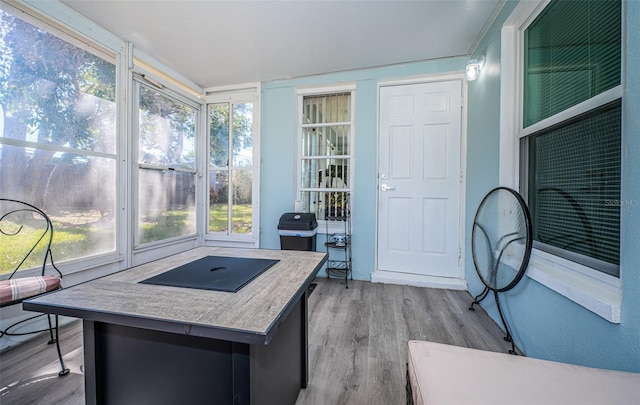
325	155
332	140
219	135
243	135
327	108
330	206
325	173
218	200
241	214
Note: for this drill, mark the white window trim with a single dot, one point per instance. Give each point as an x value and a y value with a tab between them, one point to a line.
593	290
147	66
156	249
249	92
323	225
69	25
61	22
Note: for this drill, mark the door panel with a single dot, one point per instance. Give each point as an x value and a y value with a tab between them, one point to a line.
434	213
399	212
419	179
401	143
436	148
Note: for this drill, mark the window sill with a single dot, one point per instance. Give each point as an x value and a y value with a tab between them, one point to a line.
593	293
248	242
331	227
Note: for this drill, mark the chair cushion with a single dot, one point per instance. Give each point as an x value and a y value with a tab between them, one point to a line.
25	287
443	374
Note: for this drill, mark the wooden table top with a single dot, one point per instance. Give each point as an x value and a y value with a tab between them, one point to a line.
251	315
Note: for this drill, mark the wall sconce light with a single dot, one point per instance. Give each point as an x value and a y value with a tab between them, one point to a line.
474	66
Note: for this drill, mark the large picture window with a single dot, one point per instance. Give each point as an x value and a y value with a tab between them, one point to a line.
571	131
58	140
326	154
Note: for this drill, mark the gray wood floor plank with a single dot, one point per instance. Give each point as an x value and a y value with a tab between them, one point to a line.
382	385
357	345
383	324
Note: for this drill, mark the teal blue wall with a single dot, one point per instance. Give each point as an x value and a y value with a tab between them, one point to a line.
544	323
278	150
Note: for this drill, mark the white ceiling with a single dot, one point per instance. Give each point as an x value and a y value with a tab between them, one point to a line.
215	43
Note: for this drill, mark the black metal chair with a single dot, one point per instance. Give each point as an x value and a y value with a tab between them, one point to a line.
26	233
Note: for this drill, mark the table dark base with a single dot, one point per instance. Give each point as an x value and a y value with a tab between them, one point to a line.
128	365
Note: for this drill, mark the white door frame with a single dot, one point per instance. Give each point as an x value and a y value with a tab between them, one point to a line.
460	282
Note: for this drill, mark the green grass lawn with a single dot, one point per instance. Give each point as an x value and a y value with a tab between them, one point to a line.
71	241
166	224
218	218
68	242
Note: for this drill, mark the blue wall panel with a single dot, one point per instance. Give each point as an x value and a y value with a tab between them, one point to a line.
278	139
544	323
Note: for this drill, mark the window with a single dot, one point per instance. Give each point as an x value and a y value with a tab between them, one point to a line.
166	166
326	153
58	132
231	168
571	131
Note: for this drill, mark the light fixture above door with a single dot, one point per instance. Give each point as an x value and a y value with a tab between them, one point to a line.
474	66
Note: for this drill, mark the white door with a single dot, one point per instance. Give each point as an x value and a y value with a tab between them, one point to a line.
419	183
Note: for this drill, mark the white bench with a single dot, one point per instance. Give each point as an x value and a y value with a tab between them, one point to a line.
444	374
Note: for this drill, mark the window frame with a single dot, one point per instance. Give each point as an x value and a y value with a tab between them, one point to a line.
599	292
104	45
325	225
57	19
591	264
138	81
248	93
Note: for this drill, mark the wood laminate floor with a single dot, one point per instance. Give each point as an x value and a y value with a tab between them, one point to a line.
357	346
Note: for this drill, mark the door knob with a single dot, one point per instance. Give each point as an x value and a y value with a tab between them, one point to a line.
384	187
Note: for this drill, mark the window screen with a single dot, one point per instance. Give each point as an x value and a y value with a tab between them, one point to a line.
58	137
574	188
166	166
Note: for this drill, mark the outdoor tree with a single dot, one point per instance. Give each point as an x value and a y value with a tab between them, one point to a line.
240	117
46	87
165	125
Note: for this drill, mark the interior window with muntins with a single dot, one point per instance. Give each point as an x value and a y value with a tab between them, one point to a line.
325	154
